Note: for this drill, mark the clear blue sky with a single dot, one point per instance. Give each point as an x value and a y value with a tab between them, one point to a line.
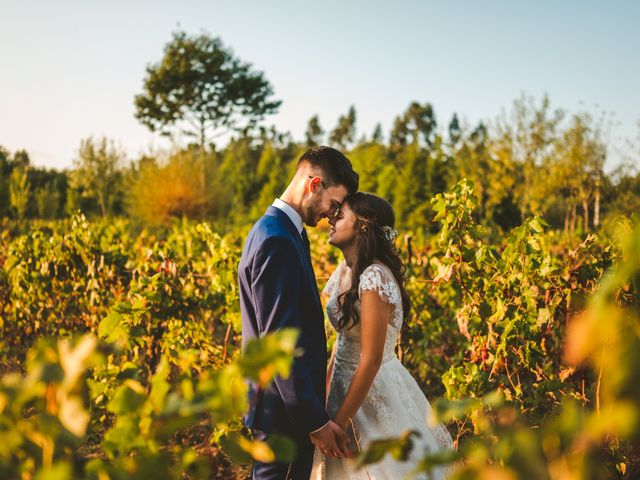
70	69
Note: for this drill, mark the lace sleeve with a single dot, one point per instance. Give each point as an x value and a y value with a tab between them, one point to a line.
378	279
333	282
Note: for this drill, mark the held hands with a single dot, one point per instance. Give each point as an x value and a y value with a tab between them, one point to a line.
331	440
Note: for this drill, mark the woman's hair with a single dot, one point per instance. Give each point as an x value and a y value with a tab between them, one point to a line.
373	241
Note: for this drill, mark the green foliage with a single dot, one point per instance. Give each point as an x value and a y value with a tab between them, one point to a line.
167	363
345	132
368	159
62	277
313	134
97	174
399	448
270	168
530	396
19	191
512	303
45	414
47	201
410	199
532	160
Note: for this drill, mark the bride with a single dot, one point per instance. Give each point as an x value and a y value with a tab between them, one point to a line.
371	395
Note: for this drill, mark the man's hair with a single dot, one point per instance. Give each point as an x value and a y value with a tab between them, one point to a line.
335	167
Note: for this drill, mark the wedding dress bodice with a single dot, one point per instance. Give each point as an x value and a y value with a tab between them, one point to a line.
376	278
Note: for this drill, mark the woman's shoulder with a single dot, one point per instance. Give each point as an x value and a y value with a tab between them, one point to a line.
376	267
376	274
379	278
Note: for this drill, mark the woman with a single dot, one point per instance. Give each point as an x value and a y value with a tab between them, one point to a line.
371	395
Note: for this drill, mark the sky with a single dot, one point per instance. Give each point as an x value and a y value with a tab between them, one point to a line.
71	69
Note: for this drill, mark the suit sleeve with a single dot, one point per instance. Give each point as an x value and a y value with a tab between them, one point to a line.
276	292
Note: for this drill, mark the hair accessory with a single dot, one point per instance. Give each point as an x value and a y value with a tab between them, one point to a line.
390	233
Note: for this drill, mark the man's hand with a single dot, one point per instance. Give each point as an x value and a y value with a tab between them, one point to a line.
331	440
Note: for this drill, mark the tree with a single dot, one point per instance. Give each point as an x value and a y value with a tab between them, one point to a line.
531	132
455	132
21	159
472	162
313	134
19	191
47	201
345	131
368	160
398	135
271	177
96	174
5	174
581	154
376	137
201	87
160	193
411	195
237	178
420	122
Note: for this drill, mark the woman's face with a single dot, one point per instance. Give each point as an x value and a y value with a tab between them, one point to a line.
343	227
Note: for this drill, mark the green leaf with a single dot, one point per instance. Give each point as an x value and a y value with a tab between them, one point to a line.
112	328
159	386
58	471
127	398
283	447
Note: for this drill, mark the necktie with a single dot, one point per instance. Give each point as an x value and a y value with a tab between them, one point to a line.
305	239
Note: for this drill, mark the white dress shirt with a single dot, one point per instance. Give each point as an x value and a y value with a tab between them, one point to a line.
291	213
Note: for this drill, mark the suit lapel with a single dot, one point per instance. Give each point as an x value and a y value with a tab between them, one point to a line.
301	248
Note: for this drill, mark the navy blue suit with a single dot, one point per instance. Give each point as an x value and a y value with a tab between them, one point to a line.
278	289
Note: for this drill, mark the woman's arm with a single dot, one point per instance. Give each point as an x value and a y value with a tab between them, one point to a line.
375	314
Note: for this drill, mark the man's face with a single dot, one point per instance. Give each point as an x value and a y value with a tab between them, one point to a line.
323	201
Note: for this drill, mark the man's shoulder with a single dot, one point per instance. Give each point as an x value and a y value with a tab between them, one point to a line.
270	226
270	230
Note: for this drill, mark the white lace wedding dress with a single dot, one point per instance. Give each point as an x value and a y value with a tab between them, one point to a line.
394	403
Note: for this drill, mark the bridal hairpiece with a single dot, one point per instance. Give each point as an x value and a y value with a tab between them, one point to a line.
390	233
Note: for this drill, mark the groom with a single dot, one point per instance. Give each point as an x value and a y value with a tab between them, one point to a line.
278	289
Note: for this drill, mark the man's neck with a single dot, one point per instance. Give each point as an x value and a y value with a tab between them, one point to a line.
288	198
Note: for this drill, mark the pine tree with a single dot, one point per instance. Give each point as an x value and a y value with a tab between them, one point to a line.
345	132
313	134
272	178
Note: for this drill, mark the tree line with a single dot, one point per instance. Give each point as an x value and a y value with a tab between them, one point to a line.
541	162
531	160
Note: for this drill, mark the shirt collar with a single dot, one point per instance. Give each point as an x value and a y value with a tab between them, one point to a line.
291	213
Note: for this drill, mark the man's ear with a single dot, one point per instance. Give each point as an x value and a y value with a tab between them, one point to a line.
314	183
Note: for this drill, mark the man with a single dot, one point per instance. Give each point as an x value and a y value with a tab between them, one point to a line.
278	289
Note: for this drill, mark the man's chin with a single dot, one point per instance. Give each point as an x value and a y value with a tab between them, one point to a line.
312	221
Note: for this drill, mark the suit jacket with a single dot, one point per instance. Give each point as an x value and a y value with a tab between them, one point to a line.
278	289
